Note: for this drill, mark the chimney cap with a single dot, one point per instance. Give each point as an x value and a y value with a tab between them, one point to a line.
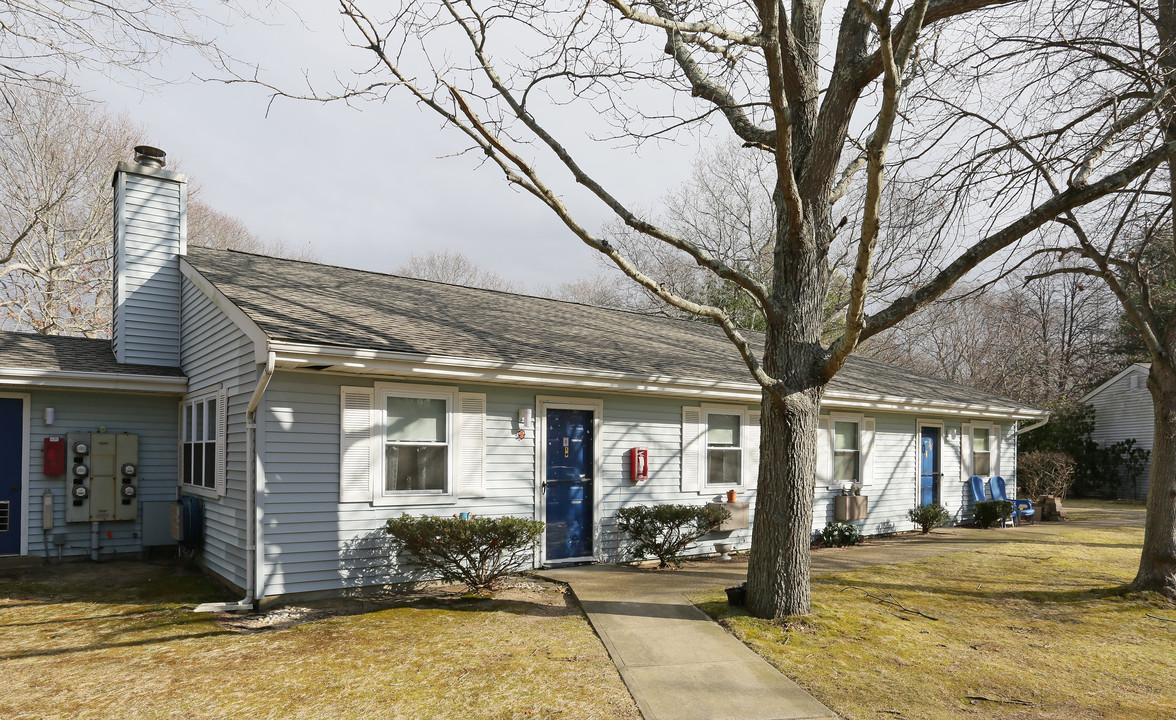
150	156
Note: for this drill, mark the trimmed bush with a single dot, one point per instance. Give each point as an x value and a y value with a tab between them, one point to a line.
990	512
839	534
664	531
478	552
929	516
1044	472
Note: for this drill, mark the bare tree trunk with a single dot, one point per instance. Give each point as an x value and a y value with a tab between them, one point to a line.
778	569
1157	564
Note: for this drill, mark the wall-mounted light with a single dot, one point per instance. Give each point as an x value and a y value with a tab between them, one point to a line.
953	434
50	415
525	417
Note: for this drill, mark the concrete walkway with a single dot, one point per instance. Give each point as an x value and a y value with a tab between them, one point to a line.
676	662
680	665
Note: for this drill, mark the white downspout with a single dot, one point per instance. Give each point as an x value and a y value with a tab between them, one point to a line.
246	603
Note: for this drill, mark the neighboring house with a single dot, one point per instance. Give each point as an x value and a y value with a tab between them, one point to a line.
1123	411
305	404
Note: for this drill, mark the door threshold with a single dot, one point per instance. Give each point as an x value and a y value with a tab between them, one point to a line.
567	562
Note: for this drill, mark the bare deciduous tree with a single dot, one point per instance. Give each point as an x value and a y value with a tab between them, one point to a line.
1035	343
208	227
1118	54
42	42
455	268
55	208
827	115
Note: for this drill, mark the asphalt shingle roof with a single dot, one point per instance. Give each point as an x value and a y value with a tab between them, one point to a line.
303	302
69	354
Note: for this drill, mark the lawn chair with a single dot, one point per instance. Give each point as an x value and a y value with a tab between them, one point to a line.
1022	509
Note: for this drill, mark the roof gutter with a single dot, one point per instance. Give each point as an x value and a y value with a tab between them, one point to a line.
299	356
125	382
252	533
1034	426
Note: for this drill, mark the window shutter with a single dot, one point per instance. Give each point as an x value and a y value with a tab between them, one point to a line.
824	452
751	450
994	447
966	452
867	440
693	449
222	414
471	445
358	444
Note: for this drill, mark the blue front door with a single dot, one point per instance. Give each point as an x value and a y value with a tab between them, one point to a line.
568	483
11	471
929	466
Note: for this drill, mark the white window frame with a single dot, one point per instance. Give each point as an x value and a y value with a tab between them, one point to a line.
381	496
218	434
857	419
980	425
741	412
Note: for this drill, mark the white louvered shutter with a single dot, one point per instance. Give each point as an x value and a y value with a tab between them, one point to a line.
824	452
867	439
995	448
358	443
966	452
693	450
751	450
471	445
220	475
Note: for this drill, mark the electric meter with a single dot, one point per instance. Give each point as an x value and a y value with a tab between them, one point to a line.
80	470
81	448
80	492
128	469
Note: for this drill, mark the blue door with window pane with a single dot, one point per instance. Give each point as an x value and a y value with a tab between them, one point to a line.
11	471
568	484
929	466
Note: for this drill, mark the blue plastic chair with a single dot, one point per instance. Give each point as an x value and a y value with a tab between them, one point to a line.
977	488
1022	509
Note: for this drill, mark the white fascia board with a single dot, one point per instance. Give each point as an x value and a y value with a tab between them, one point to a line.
235	314
1112	381
119	382
360	361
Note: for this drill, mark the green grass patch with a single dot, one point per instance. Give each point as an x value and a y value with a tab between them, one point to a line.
120	641
1047	630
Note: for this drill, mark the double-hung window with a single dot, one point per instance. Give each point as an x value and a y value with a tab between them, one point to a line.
847	453
724	449
417	441
203	433
981	452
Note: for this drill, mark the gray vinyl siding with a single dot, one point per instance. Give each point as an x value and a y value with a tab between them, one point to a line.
1122	412
312	542
216	354
151	417
149	235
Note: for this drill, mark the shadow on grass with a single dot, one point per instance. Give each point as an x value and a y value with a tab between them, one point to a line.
1074	596
51	652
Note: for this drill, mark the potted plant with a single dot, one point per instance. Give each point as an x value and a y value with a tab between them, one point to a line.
731	495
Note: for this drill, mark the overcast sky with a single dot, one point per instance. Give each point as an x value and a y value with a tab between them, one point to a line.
363	187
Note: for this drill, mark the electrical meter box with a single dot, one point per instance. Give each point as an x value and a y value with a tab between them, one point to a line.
103	477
